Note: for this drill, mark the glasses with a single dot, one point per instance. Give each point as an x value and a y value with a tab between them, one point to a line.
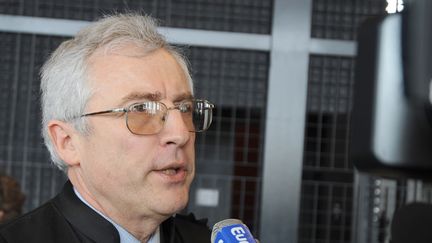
149	117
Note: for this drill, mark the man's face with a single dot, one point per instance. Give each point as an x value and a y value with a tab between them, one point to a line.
140	175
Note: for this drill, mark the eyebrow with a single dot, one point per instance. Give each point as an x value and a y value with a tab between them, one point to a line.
183	96
136	96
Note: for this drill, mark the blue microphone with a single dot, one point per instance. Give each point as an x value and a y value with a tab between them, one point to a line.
231	231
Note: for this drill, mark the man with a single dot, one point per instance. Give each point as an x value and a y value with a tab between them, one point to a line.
119	118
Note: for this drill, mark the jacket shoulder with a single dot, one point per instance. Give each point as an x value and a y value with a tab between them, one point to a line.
43	224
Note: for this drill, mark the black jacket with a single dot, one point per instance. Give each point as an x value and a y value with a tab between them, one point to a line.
66	219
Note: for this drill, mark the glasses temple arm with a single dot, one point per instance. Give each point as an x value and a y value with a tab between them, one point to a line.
105	112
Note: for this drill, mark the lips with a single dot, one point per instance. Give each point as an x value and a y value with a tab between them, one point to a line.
172	173
169	172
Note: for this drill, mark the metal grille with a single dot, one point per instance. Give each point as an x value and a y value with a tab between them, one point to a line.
325	214
230	154
339	19
329	104
326	196
22	153
252	16
338	205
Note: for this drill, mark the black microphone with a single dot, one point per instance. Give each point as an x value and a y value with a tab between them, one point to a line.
231	231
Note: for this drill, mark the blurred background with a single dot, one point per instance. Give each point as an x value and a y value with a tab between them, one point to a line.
281	74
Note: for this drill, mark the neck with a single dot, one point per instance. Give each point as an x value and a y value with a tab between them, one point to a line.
142	227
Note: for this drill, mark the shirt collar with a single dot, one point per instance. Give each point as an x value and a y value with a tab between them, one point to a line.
125	236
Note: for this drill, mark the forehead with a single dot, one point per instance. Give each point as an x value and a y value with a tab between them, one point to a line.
116	74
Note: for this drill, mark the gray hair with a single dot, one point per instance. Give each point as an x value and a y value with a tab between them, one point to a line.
64	76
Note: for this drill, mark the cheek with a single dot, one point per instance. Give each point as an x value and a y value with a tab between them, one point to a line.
117	164
136	153
114	139
190	153
134	146
189	150
106	151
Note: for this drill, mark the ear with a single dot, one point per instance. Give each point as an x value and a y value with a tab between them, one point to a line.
64	138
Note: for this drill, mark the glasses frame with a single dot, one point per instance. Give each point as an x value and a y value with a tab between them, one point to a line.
164	117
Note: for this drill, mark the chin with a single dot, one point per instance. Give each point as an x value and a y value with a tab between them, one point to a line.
173	199
176	204
172	209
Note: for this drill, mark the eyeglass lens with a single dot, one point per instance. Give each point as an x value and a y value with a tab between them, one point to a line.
149	117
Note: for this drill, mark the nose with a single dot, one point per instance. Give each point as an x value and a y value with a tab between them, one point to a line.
175	130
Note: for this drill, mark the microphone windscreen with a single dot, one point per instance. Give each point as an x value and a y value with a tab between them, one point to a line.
231	231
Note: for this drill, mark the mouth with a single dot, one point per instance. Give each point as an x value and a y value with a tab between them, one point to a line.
173	174
170	171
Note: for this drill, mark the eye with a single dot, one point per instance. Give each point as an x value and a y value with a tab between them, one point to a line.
138	108
150	107
186	106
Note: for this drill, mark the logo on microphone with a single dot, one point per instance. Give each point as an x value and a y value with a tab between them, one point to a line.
239	234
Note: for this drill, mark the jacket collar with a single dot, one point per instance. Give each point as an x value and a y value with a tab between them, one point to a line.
83	218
